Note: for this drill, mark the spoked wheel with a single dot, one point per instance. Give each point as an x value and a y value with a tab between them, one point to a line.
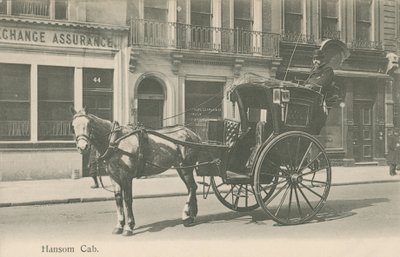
301	174
239	197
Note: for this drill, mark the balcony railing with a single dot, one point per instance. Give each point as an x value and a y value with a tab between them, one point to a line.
300	38
34	8
366	44
330	34
147	33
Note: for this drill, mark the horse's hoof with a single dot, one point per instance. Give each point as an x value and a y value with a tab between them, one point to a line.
188	222
127	233
117	231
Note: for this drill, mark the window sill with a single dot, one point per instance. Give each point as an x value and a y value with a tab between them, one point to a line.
20	145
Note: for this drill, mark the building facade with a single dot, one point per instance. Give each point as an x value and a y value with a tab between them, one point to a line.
166	62
53	55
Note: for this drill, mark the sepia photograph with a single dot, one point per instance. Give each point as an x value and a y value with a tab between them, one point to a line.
200	128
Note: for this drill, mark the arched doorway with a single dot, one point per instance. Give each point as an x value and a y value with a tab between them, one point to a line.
151	103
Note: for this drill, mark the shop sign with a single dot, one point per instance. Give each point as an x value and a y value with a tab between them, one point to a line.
55	38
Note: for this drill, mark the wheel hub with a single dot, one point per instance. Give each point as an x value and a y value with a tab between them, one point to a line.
296	178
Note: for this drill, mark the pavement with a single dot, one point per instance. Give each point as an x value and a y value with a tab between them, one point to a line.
168	184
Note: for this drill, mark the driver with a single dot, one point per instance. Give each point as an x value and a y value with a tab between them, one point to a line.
321	78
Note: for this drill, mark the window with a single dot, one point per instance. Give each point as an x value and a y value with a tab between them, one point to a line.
293	16
61	7
14	102
243	18
3	6
201	13
201	22
98	92
363	20
155	10
56	95
203	102
329	18
38	8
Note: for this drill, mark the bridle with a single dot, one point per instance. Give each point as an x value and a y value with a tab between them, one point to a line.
86	137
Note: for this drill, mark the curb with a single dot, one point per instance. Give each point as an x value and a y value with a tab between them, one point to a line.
101	199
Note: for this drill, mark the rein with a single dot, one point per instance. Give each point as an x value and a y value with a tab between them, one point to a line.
113	147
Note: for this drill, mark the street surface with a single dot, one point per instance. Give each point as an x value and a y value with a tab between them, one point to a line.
356	219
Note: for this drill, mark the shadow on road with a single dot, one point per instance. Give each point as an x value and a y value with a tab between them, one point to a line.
333	210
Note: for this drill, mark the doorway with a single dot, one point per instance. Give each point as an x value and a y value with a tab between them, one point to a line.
151	103
363	131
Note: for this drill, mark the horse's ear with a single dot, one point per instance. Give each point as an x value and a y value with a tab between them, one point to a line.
72	109
85	110
115	125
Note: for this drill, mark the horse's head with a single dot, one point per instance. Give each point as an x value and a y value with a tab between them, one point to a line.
81	125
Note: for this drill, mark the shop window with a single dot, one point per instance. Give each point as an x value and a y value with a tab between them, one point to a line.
155	10
329	18
98	92
203	102
56	95
363	20
293	16
14	102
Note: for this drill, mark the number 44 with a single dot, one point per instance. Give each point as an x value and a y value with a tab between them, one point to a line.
96	79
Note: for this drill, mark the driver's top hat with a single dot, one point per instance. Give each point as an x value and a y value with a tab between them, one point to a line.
318	54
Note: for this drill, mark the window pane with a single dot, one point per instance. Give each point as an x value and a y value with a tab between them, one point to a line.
242	9
155	10
293	6
31	8
98	94
160	4
363	10
155	14
203	101
293	23
56	95
203	6
329	8
201	19
61	9
363	31
97	79
14	102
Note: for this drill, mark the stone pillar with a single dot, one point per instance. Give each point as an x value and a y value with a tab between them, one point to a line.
379	137
34	103
349	125
216	23
389	110
257	26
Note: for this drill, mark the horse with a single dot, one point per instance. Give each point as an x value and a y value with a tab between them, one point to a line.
130	153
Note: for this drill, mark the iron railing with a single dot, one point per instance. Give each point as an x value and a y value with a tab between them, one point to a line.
148	33
366	44
298	37
330	34
35	8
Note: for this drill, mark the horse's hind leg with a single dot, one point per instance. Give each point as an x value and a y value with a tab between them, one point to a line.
190	210
120	209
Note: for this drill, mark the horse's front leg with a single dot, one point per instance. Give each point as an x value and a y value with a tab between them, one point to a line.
190	209
127	196
120	208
